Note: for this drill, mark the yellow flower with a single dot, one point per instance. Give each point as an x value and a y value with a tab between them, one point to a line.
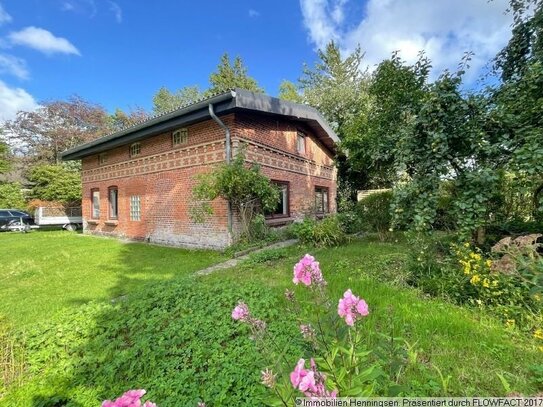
475	256
541	348
537	297
495	283
466	244
475	279
510	323
538	334
486	283
479	302
488	263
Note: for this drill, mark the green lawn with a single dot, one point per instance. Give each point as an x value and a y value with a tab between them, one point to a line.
177	339
44	271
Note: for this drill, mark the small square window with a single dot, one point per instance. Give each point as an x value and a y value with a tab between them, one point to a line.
102	158
135	149
300	142
180	136
135	208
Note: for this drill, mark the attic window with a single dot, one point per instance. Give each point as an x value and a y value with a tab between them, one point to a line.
300	142
102	158
180	136
135	149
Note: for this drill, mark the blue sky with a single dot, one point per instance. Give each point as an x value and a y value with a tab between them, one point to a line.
118	53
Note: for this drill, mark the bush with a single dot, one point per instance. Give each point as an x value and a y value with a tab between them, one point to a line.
11	196
374	210
176	340
321	233
467	276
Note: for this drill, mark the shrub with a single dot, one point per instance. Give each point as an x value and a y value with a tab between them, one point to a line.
321	233
11	196
466	275
374	211
339	359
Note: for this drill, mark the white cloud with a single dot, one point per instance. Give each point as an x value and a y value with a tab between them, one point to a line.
4	16
254	13
444	29
117	11
87	7
67	6
14	66
42	40
13	100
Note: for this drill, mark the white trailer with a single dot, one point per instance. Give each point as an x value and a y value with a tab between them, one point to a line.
67	218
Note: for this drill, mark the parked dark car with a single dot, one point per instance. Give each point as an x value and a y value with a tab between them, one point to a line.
10	218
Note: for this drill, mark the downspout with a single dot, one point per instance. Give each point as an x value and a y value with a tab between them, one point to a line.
228	158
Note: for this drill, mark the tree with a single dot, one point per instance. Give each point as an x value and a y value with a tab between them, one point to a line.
5	163
289	91
245	187
164	100
396	94
336	86
120	120
230	76
41	135
61	183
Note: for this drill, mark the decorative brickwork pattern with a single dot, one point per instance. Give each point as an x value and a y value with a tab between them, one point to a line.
163	175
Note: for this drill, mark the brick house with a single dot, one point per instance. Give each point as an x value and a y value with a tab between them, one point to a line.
137	182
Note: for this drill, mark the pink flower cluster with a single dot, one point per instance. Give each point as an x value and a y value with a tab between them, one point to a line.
307	271
240	312
129	399
310	382
351	308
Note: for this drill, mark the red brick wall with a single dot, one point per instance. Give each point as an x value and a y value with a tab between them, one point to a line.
163	176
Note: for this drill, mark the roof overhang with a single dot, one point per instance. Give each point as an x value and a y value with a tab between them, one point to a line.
237	100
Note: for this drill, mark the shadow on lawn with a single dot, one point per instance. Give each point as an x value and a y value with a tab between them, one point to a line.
111	352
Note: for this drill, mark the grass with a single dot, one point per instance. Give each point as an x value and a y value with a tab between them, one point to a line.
43	272
100	350
466	344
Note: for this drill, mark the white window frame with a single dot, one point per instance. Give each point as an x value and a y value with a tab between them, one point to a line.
135	208
95	203
180	136
113	203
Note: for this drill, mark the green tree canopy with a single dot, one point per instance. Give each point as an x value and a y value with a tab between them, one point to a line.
231	75
61	183
164	100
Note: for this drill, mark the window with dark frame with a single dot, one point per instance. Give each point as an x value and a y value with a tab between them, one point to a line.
300	142
321	200
95	204
180	136
282	210
113	203
102	158
135	149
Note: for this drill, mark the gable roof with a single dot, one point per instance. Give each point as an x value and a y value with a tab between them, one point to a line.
237	100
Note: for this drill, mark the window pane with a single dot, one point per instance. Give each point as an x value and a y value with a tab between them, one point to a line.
281	209
325	200
96	204
135	209
113	199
